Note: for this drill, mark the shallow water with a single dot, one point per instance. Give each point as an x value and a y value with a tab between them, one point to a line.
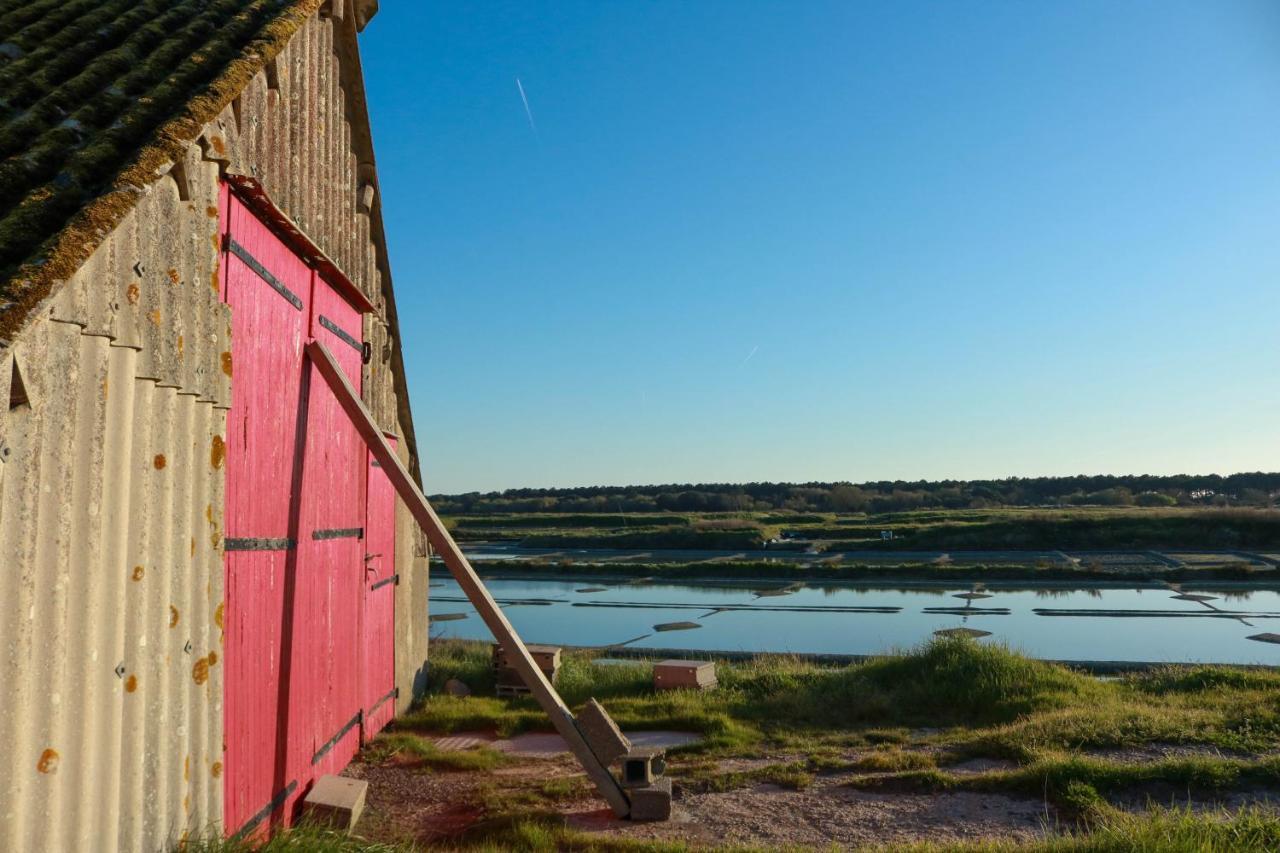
1151	624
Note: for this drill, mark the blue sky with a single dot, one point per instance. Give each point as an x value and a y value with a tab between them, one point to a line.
824	241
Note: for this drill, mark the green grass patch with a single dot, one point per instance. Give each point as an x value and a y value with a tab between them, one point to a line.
424	753
833	568
891	761
945	682
988	701
699	537
1066	779
1012	528
572	521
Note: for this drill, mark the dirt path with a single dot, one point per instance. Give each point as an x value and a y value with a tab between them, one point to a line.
828	813
408	801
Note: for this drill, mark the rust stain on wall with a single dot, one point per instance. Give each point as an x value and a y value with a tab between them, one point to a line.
132	293
211	212
216	769
173	275
154	316
226	363
173	616
138	572
48	762
200	671
131	684
159	461
215	535
217	452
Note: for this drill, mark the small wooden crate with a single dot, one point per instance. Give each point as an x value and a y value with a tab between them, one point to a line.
546	657
687	674
509	682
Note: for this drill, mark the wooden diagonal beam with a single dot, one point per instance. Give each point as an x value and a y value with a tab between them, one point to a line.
460	568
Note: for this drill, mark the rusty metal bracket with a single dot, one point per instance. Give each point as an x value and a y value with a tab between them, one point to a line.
263	273
232	543
266	811
393	693
339	533
333	741
342	335
458	565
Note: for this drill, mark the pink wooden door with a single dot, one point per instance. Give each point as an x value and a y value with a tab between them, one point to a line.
331	546
294	532
379	600
269	291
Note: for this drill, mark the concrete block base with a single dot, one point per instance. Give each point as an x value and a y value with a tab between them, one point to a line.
603	735
652	802
642	766
336	801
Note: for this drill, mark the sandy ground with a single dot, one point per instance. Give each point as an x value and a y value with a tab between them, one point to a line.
406	801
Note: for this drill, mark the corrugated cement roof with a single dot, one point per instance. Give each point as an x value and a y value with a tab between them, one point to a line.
96	99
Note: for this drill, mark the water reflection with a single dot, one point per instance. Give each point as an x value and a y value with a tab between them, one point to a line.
1090	623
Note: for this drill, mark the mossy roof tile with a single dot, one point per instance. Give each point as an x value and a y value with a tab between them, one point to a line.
95	96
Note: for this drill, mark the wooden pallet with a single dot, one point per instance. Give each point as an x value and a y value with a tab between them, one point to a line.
512	691
509	683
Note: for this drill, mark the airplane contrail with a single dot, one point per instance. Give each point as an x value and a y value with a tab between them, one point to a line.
754	350
528	112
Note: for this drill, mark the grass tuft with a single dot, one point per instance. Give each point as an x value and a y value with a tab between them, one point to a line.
424	753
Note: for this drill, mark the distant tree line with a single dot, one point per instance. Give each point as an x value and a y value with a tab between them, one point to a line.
1255	489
